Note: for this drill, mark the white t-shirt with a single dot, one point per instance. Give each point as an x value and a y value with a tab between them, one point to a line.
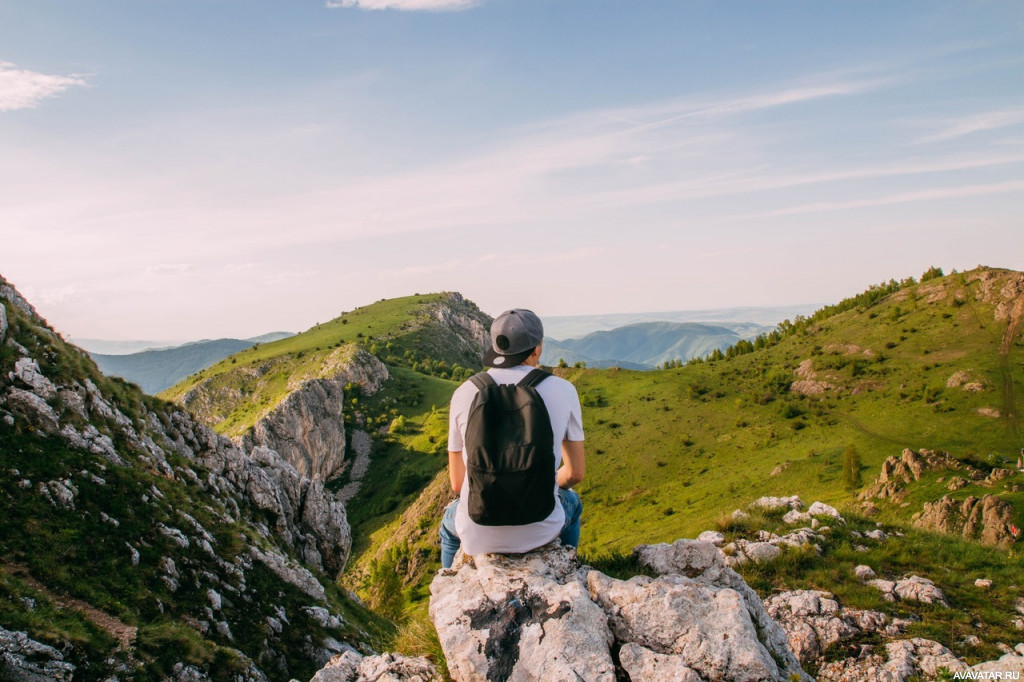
563	406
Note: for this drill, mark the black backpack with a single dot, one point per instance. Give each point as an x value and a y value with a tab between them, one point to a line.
510	457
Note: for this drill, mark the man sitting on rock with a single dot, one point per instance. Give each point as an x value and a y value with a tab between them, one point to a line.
513	477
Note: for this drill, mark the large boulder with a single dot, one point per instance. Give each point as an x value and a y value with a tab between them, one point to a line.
524	617
542	615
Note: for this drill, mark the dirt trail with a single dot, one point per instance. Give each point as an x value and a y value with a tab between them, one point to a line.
121	631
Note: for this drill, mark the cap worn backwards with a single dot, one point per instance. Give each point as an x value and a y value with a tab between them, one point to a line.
514	335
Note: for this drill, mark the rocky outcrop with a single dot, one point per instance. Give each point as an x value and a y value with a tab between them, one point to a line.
989	519
814	621
897	472
352	666
543	616
470	329
23	658
272	528
901	661
307	427
913	588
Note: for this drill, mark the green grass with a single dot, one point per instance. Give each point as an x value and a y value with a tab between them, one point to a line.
953	564
669	451
235	393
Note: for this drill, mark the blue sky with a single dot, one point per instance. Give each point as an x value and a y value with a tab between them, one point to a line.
177	169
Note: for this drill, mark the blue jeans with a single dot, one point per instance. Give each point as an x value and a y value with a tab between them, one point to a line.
570	534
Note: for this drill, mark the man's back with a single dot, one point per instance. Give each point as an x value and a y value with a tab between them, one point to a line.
562	403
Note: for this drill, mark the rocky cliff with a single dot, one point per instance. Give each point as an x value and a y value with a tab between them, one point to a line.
292	401
987	516
307	428
144	514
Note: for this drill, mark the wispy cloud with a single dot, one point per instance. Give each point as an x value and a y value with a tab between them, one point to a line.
989	120
171	269
22	89
405	5
936	194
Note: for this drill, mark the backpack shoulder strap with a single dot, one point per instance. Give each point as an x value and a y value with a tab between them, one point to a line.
482	380
533	378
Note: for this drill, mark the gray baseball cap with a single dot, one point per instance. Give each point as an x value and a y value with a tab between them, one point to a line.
514	335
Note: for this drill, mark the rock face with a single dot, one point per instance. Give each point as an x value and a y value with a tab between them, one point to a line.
897	472
352	666
542	616
988	519
22	658
306	428
814	621
266	525
469	327
903	660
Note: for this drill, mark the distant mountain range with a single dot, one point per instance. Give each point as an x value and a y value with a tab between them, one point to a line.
647	345
748	321
159	369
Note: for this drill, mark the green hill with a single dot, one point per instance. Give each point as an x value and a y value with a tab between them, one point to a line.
156	370
644	345
413	332
670	452
921	365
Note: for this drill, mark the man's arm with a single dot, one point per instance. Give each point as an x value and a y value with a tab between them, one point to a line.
456	471
573	464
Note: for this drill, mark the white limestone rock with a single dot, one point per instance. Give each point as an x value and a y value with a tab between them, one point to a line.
794	516
351	666
916	588
23	658
813	621
864	572
983	583
713	536
903	660
643	664
3	323
768	502
523	617
290	572
761	552
822	509
33	408
703	565
26	372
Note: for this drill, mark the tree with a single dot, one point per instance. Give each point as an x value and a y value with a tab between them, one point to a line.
851	468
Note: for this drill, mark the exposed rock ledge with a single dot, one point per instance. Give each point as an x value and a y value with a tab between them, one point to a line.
542	616
306	428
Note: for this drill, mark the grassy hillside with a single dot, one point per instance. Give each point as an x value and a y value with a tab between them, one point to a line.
670	452
403	332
